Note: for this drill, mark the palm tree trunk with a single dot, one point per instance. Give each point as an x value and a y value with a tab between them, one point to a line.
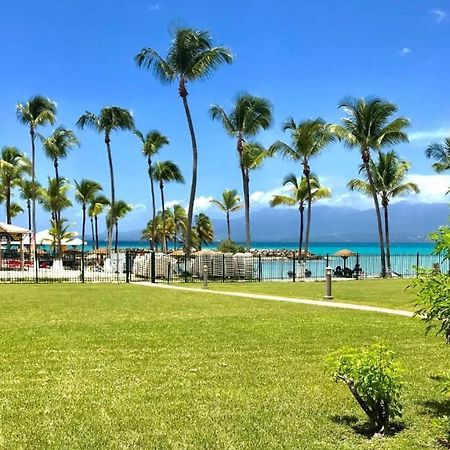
164	238
33	179
93	233
183	94
8	202
83	234
307	172
96	232
388	243
300	236
113	192
245	189
117	236
152	189
57	213
228	226
29	213
366	160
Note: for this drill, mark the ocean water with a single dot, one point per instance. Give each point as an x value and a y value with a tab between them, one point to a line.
319	248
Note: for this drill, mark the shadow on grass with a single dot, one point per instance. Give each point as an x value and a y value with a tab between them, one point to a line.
365	428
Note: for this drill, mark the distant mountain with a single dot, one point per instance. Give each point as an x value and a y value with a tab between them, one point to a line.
410	222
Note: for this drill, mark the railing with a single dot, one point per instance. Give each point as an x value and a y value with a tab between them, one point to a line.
143	265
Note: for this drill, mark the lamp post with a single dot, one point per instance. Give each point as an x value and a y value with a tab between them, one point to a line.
328	278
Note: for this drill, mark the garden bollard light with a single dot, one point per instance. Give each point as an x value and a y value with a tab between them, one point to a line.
328	278
205	276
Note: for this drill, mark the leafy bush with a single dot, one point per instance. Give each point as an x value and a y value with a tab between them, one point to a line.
374	379
227	246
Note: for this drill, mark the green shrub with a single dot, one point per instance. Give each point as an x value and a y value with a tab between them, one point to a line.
374	379
227	246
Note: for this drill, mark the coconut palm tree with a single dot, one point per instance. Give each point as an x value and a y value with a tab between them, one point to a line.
15	209
110	118
85	192
152	143
250	114
119	211
369	126
230	203
389	176
309	138
60	231
191	57
298	196
96	207
13	165
166	172
37	111
29	191
203	230
440	153
180	218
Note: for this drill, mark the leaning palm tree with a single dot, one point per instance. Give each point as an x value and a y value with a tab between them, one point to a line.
250	115
191	57
369	126
308	138
166	172
440	153
13	165
37	111
29	191
231	202
119	211
96	207
389	176
85	192
298	196
110	118
152	143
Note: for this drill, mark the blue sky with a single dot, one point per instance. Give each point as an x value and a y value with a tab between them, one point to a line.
302	55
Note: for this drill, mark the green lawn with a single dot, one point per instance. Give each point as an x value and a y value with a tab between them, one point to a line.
120	366
385	293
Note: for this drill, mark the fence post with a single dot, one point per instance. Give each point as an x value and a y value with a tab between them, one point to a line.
82	264
223	268
357	266
293	267
328	260
417	264
36	262
185	268
153	267
127	265
259	267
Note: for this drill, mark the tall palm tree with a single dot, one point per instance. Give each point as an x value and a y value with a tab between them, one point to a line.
230	203
29	191
298	196
190	57
369	126
152	143
389	176
440	153
166	172
203	229
85	192
37	111
119	211
250	114
96	207
309	138
110	118
13	165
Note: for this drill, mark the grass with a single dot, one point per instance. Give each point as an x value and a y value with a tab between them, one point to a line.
119	366
393	294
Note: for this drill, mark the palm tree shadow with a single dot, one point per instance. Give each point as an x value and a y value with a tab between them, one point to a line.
437	408
365	429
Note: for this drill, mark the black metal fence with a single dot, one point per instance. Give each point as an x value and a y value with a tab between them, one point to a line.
141	265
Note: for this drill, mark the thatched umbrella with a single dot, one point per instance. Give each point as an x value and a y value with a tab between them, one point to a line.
344	254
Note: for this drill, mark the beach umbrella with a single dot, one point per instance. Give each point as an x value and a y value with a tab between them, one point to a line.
344	254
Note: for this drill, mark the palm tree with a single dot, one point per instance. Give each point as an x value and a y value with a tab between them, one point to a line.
29	191
191	57
203	229
440	153
309	138
389	176
110	118
96	207
59	231
85	192
230	203
151	145
119	211
15	209
368	125
37	111
166	172
179	217
299	195
13	165
250	115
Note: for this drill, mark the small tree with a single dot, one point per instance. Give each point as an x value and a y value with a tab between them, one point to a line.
374	379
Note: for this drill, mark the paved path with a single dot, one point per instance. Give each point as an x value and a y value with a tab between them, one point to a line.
304	301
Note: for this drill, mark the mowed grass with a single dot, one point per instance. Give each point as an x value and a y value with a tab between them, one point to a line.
128	367
393	293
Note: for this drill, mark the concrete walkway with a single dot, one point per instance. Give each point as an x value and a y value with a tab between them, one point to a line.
303	301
